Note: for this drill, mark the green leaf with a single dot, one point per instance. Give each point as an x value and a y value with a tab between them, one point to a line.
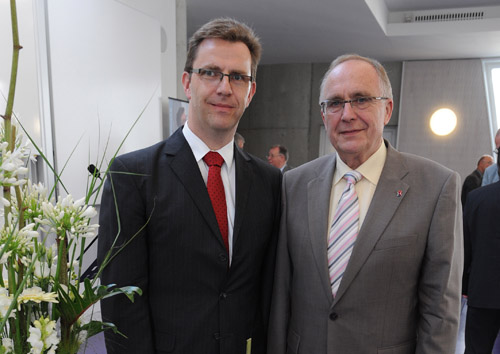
127	290
72	304
96	327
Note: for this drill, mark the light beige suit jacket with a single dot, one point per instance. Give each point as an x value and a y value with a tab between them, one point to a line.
401	290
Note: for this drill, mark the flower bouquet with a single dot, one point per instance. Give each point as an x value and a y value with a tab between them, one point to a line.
42	242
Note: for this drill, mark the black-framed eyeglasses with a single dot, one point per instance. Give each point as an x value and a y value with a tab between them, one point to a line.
337	106
214	76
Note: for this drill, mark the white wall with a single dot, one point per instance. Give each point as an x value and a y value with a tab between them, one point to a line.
104	68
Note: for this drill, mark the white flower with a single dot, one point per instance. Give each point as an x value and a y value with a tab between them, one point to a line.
5	256
5	301
51	340
43	336
35	339
69	218
5	202
21	240
44	269
7	345
12	165
89	213
37	295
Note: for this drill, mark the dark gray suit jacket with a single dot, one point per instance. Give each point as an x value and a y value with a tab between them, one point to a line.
192	301
482	247
471	182
400	293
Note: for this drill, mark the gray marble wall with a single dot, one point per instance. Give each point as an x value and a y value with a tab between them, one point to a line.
455	84
285	109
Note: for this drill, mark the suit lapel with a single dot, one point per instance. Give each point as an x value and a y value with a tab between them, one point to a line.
389	193
318	205
243	184
184	166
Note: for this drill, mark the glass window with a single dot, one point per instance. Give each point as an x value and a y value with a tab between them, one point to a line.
495	79
491	70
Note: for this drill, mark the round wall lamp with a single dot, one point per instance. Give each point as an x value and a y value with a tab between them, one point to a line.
443	121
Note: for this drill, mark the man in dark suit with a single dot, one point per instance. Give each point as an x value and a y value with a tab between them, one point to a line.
202	234
278	157
474	180
370	250
482	268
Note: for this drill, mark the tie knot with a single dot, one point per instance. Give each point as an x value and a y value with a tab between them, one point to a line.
352	177
213	158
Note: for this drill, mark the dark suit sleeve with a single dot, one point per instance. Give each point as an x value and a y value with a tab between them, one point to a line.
441	274
130	267
467	248
471	182
269	267
280	308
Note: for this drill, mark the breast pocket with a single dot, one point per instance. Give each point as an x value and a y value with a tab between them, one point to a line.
394	242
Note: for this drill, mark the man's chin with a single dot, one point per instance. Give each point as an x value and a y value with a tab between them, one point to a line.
348	146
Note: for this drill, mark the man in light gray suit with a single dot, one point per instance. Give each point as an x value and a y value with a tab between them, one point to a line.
394	284
491	173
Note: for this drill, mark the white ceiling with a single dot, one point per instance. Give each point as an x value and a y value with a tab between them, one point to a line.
298	31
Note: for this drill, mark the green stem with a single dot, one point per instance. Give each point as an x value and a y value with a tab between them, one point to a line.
13	304
20	318
13	289
62	267
20	206
2	284
62	276
13	74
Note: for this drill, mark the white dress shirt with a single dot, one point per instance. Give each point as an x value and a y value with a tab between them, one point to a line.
371	170
228	175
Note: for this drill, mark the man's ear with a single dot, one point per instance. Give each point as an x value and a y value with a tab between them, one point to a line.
186	83
253	88
389	106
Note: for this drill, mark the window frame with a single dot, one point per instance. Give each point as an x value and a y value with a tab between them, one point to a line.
488	66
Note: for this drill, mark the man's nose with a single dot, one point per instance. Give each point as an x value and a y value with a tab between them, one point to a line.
224	86
348	112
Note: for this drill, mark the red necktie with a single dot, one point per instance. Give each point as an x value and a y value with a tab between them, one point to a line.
216	192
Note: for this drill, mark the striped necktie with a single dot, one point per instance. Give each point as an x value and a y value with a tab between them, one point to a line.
344	230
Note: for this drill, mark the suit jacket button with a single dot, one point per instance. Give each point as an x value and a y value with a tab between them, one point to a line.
222	257
222	296
333	316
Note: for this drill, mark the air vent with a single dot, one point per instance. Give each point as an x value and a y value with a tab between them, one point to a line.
456	16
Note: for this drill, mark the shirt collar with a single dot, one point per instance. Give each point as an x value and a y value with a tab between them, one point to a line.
371	169
200	149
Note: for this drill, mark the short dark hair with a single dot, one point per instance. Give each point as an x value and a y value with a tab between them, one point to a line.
227	29
282	150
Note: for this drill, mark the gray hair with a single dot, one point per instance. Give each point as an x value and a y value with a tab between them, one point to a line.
385	83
